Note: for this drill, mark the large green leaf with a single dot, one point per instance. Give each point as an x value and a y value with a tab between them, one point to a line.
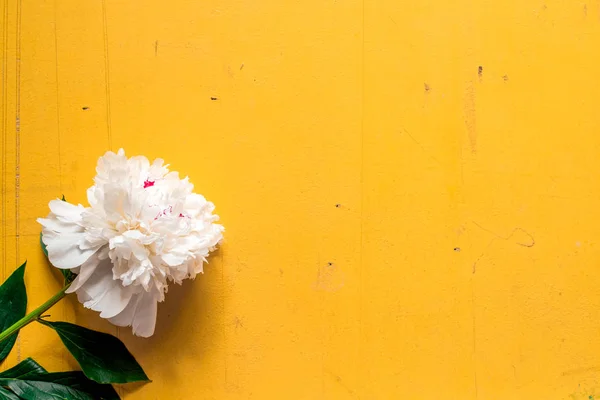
39	390
23	369
5	394
13	303
61	385
102	357
77	380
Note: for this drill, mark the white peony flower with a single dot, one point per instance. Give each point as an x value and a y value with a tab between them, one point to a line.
143	229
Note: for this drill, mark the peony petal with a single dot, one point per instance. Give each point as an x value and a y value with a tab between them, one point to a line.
173	259
86	271
96	284
105	294
144	319
114	301
140	314
82	296
66	211
125	317
91	196
56	225
63	249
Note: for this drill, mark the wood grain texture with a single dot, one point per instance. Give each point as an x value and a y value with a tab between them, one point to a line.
409	188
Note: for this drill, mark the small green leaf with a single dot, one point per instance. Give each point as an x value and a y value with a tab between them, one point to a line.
102	357
6	395
26	367
13	303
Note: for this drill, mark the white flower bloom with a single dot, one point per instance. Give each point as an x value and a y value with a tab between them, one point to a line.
143	229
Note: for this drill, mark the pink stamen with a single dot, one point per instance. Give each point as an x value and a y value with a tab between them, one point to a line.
181	215
164	212
148	183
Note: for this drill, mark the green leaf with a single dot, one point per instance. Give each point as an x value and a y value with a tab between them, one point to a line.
39	390
13	302
102	357
6	395
23	369
78	381
62	385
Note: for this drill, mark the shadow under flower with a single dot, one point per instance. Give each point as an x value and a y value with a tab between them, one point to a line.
189	323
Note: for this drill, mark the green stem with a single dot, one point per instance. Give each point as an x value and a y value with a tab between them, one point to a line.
35	314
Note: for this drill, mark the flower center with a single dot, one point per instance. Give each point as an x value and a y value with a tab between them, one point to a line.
128	224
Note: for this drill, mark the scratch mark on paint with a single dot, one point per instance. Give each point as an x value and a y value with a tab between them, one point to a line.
471	116
481	255
156	48
480	72
421	146
526	240
530	242
427	88
339	380
505	78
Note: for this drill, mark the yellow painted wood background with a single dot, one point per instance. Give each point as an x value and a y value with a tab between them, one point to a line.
411	189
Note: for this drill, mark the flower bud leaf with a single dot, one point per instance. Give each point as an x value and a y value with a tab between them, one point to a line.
102	357
13	304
